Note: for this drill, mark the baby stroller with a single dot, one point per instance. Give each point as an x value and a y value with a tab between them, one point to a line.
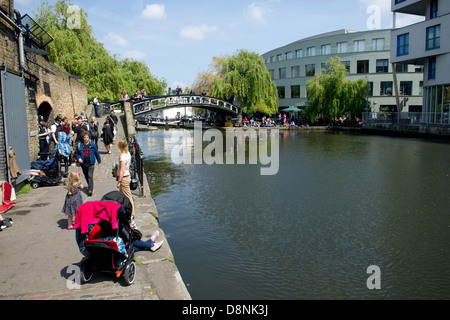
44	173
105	237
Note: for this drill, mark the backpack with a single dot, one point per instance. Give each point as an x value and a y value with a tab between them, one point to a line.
93	131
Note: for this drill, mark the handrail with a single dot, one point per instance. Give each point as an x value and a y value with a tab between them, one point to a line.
172	101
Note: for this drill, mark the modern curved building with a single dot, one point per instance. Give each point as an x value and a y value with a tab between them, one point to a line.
365	54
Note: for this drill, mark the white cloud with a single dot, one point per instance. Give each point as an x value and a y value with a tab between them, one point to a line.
197	32
115	39
155	12
257	12
135	55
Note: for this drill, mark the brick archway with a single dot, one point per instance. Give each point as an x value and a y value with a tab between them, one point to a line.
43	98
44	106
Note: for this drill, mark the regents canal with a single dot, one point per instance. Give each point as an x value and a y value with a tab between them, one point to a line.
339	204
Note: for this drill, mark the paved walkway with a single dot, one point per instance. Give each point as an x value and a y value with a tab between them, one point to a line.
38	253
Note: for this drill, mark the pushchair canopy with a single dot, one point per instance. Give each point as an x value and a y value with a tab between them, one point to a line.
94	212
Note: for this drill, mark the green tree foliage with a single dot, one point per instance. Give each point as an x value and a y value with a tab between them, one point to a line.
244	76
77	51
330	95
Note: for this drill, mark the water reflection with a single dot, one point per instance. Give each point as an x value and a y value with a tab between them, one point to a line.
338	204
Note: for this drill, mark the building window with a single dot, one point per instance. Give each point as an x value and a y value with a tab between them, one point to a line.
282	73
418	68
31	90
310	70
47	89
295	71
288	55
378	44
401	67
281	92
272	74
360	45
341	47
406	88
434	37
386	88
346	65
382	65
279	57
299	53
421	88
432	68
434	9
326	49
295	92
403	44
362	66
311	52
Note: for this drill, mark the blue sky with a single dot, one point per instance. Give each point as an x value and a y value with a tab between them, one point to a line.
178	39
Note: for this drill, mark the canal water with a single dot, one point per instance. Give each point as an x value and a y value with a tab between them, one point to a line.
339	204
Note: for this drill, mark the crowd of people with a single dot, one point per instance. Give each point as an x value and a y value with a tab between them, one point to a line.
279	121
62	138
75	142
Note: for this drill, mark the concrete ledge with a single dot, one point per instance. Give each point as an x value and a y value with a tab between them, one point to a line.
160	268
419	132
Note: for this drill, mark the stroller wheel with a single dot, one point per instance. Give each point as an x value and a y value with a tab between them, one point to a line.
35	185
130	273
86	272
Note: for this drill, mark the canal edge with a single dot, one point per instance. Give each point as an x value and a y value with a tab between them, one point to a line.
160	268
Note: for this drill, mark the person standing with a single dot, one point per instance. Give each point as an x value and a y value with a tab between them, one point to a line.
78	130
108	134
73	198
93	130
63	148
86	153
43	142
124	177
96	106
113	122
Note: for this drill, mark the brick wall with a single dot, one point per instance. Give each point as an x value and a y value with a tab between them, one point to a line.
55	87
46	85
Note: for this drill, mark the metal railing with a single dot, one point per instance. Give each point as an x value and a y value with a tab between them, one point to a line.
137	163
407	118
156	103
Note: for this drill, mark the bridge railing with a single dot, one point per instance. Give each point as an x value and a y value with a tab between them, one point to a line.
407	118
153	104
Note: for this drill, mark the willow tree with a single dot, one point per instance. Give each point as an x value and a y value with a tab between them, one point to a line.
330	95
245	78
76	50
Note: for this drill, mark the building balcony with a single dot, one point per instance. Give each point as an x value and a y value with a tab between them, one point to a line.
416	7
